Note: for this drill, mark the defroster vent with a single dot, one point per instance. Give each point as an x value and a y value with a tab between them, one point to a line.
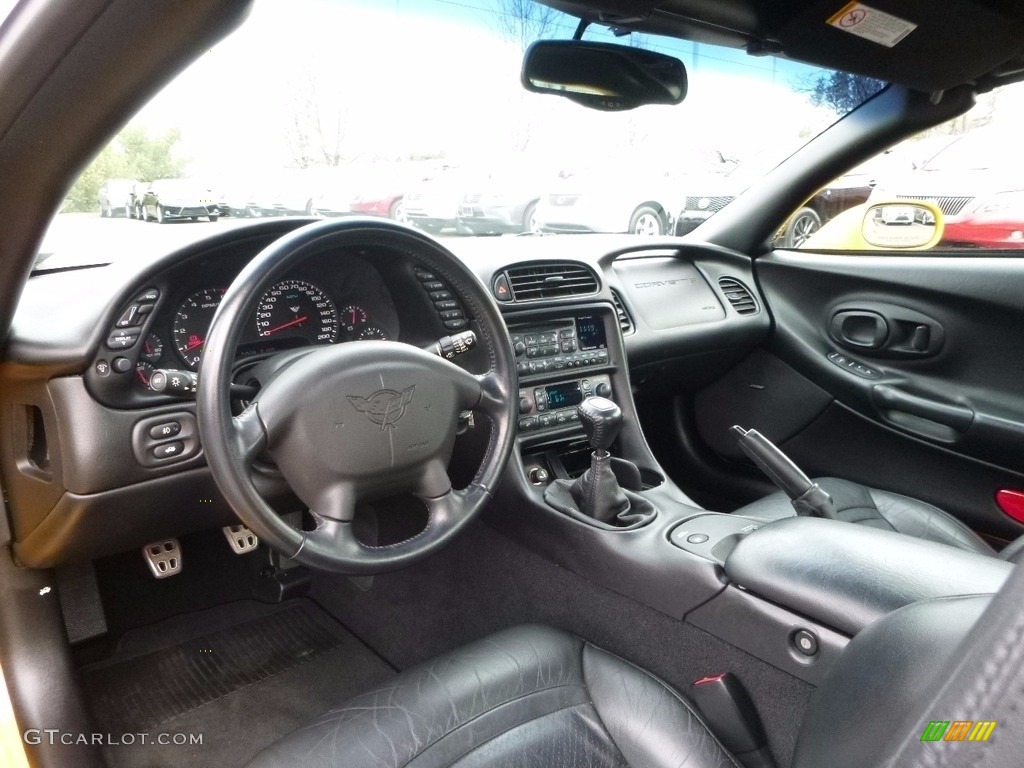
550	280
738	295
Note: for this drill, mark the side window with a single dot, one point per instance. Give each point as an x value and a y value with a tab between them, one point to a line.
955	188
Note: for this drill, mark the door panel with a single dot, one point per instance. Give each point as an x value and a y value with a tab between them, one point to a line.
924	358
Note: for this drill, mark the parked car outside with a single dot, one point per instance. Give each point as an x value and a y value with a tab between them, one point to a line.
175	199
433	203
503	201
976	182
117	198
389	204
622	197
849	190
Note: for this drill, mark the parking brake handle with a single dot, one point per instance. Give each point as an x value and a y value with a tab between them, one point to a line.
807	497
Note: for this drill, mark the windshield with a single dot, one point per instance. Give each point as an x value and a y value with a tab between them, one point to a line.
414	110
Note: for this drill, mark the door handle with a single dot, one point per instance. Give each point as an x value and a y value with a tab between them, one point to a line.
859	328
958	417
885	330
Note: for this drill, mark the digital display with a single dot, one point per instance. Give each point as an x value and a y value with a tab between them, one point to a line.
564	395
590	333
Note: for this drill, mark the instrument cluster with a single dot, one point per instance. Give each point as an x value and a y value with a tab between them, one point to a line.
295	312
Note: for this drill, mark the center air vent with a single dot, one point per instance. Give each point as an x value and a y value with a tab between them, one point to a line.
738	295
625	322
550	280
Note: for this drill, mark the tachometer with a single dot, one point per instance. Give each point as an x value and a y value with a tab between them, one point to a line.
297	308
192	322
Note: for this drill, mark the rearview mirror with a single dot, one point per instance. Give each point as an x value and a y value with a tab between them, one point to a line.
603	76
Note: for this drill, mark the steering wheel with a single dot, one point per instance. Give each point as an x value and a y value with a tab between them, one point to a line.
354	421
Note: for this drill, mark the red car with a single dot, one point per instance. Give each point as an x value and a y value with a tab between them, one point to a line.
380	204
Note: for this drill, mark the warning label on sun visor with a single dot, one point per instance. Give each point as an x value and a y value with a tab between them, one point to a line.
872	24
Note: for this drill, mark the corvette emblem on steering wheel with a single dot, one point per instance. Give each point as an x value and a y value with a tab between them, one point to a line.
385	406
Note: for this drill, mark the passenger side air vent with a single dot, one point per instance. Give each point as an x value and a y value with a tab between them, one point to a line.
738	295
625	321
550	280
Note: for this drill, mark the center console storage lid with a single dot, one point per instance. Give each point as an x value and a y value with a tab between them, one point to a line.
846	575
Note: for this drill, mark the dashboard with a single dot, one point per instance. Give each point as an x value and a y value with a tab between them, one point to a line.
95	461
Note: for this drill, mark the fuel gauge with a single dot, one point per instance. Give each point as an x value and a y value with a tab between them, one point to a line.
152	349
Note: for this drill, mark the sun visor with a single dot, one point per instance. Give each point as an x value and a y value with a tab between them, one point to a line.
929	46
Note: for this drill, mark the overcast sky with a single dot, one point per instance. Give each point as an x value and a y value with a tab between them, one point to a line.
439	78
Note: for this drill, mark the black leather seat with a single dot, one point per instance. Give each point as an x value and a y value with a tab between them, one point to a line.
855	503
535	697
530	697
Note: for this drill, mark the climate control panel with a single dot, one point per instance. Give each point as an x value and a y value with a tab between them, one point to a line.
552	406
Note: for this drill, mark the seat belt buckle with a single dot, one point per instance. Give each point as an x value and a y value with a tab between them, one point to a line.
726	706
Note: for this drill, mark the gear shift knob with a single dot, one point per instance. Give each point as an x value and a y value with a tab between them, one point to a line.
601	420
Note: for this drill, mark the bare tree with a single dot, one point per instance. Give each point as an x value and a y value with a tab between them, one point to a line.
316	130
523	21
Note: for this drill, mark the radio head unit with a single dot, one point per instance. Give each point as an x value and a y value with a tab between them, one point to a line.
555	345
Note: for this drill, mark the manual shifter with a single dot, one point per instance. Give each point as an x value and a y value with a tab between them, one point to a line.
597	495
598	492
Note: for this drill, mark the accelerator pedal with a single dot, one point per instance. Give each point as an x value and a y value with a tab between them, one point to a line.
241	539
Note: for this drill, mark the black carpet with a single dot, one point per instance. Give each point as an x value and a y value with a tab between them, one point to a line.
241	676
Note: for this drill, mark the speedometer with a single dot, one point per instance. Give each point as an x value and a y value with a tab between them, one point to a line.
295	308
192	322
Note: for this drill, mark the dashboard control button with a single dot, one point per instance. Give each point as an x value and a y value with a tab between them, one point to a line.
148	296
546	420
121	364
122	339
130	317
519	348
440	295
562	417
447	304
567	333
165	430
434	285
424	275
102	368
169	450
525	406
455	325
520	367
528	423
568	346
603	389
451	314
697	538
502	292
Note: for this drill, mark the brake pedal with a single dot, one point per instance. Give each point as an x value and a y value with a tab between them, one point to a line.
163	557
241	539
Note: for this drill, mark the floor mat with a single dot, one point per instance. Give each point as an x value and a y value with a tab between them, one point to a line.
239	687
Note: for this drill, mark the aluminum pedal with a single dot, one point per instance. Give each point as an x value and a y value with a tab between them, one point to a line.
241	539
163	557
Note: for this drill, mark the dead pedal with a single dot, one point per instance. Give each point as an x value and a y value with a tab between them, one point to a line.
241	539
163	557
